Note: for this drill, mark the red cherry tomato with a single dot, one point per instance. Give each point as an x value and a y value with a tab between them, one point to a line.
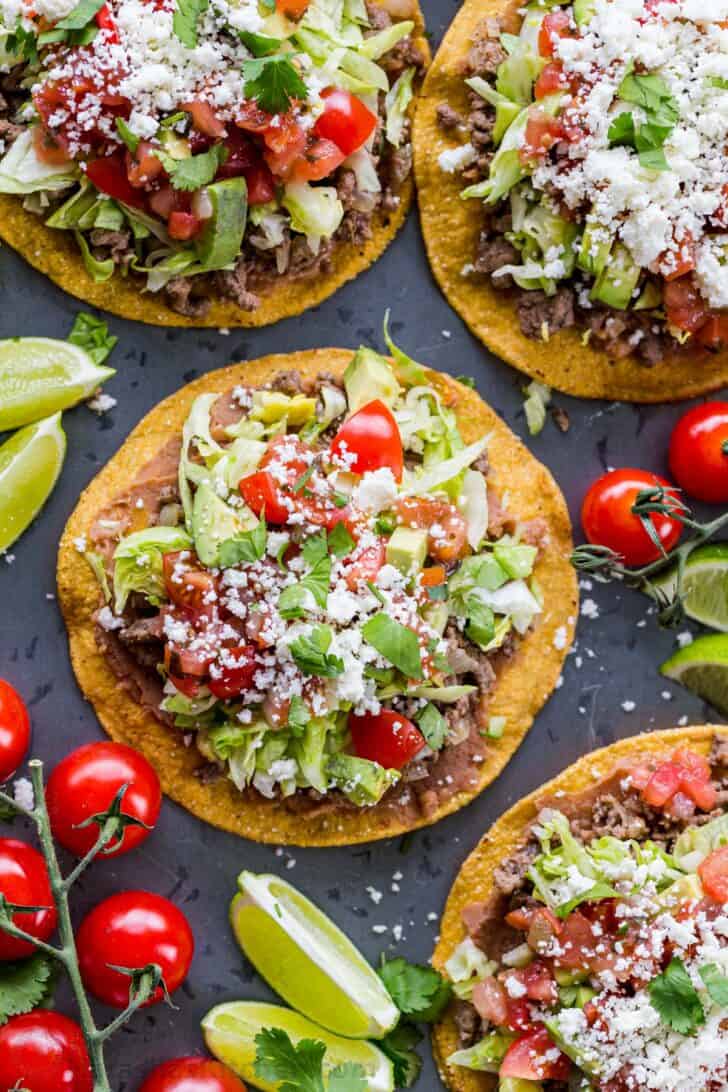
108	175
364	564
187	586
183	225
713	872
542	131
608	520
44	1052
387	738
371	435
556	24
236	673
14	730
261	493
24	881
320	159
284	143
192	1075
699	452
85	783
132	929
529	1058
684	304
345	120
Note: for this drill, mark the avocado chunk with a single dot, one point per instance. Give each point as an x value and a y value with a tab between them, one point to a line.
583	11
436	616
361	781
369	377
594	250
213	522
518	1084
568	1048
407	550
220	242
618	280
650	297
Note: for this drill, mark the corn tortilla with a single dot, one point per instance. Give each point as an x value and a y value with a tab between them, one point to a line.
56	254
523	685
451	228
474	882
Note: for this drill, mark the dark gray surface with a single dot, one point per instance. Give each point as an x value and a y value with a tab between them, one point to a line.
615	659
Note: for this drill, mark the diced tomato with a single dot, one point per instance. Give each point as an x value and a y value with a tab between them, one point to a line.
187	585
47	149
188	661
284	143
250	117
550	80
144	165
105	21
448	538
542	132
680	806
543	928
518	1017
320	158
433	576
244	158
695	778
663	785
640	775
164	201
354	520
387	738
108	175
289	454
276	710
491	1001
345	120
529	1058
261	187
184	225
691	760
577	942
204	118
713	872
236	672
540	983
371	436
556	24
189	687
714	331
686	309
364	565
672	266
261	493
294	9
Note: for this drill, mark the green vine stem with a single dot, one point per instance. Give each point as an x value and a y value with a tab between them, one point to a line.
143	982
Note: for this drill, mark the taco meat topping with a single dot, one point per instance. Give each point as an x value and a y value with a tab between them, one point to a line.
601	961
308	586
596	139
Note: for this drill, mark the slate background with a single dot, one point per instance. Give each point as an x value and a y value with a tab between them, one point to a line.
614	661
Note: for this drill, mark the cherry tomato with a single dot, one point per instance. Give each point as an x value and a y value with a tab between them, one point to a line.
364	564
529	1058
14	730
371	435
236	673
187	586
24	882
132	929
183	225
192	1075
284	143
47	149
699	452
713	872
686	309
320	158
289	454
387	738
85	783
608	520
345	120
44	1052
204	118
261	493
144	165
556	24
108	175
542	132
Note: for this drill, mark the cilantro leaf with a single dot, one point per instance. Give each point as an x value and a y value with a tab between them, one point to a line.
81	15
260	45
25	985
716	983
130	139
621	131
310	652
399	1046
433	726
247	546
298	1067
184	20
652	94
315	548
466	380
349	1077
293	599
194	171
418	992
93	335
676	999
22	43
396	643
340	541
273	81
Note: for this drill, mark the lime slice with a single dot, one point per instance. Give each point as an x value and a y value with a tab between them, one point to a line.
39	376
30	462
705	585
308	960
703	668
230	1032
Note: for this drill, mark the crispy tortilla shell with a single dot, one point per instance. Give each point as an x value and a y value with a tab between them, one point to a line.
523	685
474	882
451	228
56	254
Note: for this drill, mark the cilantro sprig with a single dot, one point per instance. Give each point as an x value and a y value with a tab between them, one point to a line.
246	546
647	137
195	170
185	19
311	653
677	1001
420	993
273	81
396	643
93	335
300	1067
25	985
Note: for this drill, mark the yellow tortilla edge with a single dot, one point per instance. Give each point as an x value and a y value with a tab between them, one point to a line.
451	227
524	684
474	881
56	254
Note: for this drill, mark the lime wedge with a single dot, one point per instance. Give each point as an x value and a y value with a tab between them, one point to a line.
30	462
703	668
39	376
230	1032
308	960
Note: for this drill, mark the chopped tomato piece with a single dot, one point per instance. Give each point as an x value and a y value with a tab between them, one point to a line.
261	493
674	265
105	21
369	440
261	187
543	928
713	872
108	175
345	120
519	1015
577	942
188	586
364	565
663	785
289	454
686	309
251	118
183	225
550	80
294	9
491	1001
695	778
433	576
714	331
531	1058
189	687
542	132
448	531
47	149
540	983
387	738
320	158
204	118
236	672
556	24
144	165
284	143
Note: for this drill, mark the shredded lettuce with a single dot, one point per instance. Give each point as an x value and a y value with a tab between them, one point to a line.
397	103
22	172
695	843
487	1055
138	563
515	599
466	966
438	476
196	431
473	503
316	211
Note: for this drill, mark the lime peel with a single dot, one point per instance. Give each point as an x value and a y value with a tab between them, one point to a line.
40	375
703	668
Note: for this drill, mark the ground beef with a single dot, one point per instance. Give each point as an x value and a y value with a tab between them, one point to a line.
651	349
493	253
448	118
539	314
356	228
500	521
116	245
404	55
509	876
288	382
466	659
179	294
8	132
232	284
467	1022
718	757
143	630
399	166
482	464
486	52
379	19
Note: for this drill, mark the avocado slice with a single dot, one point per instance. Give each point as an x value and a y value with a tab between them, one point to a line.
361	781
369	377
569	1049
220	242
213	522
593	254
618	280
407	550
650	298
584	11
